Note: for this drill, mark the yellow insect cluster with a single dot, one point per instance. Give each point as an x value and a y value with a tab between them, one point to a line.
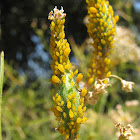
101	29
69	104
59	46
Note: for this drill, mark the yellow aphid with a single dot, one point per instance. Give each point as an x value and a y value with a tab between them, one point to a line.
98	15
59	98
102	28
66	66
106	81
79	120
74	100
62	121
76	71
109	26
90	70
84	109
57	54
90	81
64	47
63	79
61	68
108	74
73	131
53	90
75	113
108	61
72	123
60	35
72	83
67	45
104	17
99	72
99	53
84	119
67	51
77	136
110	38
93	65
62	103
103	41
99	47
59	108
114	21
68	104
93	10
112	47
69	96
71	73
105	24
111	42
82	100
67	137
62	21
73	108
56	95
79	108
71	114
70	127
53	98
58	21
117	18
55	70
83	92
52	24
106	69
64	114
88	75
79	77
73	94
55	79
107	2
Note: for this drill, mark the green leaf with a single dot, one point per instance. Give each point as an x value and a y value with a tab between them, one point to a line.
1	86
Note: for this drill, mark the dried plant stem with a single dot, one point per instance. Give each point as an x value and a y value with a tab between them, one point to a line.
1	87
117	77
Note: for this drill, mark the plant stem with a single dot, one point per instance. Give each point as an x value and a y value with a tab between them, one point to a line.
117	77
1	87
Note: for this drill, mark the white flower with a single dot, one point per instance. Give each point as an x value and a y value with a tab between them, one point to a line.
132	103
57	14
99	88
125	131
127	85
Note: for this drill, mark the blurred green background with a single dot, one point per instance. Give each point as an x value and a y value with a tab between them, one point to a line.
24	38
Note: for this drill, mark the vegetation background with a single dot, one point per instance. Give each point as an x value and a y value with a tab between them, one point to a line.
24	37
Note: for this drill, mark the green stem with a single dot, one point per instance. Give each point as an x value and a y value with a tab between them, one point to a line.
1	87
103	102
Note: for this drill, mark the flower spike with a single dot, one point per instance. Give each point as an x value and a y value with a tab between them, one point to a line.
101	29
68	105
